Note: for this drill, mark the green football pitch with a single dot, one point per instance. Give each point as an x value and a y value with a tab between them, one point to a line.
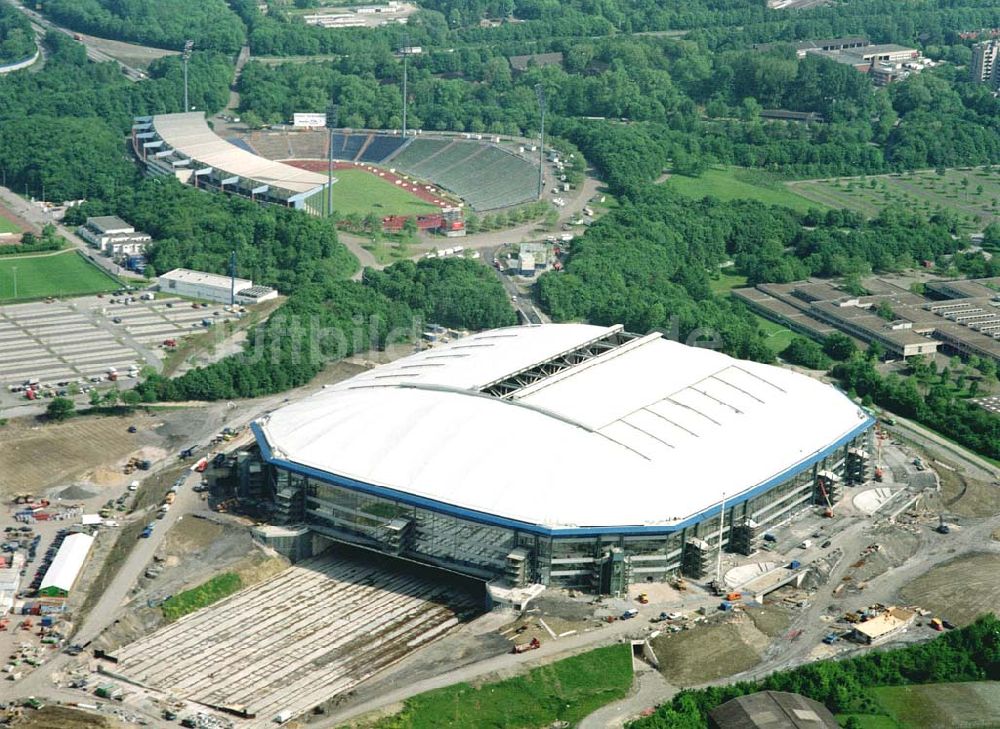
41	275
357	192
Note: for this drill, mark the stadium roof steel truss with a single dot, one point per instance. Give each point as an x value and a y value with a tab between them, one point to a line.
510	385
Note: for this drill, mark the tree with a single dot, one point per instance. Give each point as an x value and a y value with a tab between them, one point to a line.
839	346
60	409
807	353
95	398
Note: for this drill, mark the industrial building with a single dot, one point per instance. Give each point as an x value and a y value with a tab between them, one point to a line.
10	580
213	287
183	146
62	574
883	627
963	319
113	236
639	446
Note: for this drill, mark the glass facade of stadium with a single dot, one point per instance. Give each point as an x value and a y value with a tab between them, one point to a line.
602	559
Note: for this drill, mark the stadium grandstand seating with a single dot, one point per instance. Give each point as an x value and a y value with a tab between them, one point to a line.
242	144
347	146
308	145
483	175
380	147
272	145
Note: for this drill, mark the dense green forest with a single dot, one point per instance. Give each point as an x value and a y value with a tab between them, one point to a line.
62	129
17	39
161	23
328	319
968	654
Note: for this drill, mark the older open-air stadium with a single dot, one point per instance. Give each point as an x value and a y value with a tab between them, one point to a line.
274	166
484	175
183	145
566	454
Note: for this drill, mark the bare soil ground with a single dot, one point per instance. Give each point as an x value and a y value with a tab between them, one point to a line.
195	550
959	590
772	620
129	53
34	456
965	496
708	652
61	717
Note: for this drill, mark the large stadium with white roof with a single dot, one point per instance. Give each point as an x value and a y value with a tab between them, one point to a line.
562	454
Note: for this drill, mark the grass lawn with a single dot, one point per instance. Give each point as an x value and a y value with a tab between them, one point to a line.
722	183
8	227
973	704
41	275
972	193
777	336
564	691
201	596
357	191
870	721
727	282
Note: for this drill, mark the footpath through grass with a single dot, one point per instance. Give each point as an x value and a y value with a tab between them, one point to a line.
201	596
565	691
60	274
729	183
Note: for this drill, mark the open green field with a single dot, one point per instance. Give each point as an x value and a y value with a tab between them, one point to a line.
973	193
777	336
8	227
727	282
46	274
201	596
975	704
564	691
359	192
724	183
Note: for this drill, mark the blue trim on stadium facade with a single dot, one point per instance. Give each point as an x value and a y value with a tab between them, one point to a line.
499	521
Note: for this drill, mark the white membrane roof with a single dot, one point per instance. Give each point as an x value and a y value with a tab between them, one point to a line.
647	433
190	135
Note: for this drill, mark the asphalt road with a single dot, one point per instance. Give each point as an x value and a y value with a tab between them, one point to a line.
43	24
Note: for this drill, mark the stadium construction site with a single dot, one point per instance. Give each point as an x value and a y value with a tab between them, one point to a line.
290	168
415	553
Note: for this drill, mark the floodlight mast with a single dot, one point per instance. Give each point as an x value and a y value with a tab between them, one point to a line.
540	92
405	50
186	56
332	117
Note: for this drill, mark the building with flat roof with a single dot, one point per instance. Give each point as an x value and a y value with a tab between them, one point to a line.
883	627
113	236
213	287
183	146
771	710
640	443
985	66
62	574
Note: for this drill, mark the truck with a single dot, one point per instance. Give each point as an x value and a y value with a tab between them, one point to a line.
525	647
831	638
628	614
936	624
170	497
147	532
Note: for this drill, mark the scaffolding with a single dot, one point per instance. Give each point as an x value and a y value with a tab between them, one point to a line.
744	538
698	558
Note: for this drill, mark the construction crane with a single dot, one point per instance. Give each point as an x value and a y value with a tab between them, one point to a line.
879	437
821	482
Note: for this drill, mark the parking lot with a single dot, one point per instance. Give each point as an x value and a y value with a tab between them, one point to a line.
80	340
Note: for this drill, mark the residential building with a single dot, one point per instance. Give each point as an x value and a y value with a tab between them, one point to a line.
983	68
